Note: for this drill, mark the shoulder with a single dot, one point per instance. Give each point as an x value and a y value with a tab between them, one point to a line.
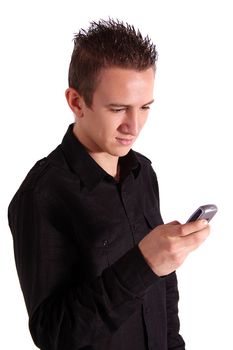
47	175
47	186
142	158
146	166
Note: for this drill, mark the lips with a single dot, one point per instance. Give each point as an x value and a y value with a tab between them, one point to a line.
124	141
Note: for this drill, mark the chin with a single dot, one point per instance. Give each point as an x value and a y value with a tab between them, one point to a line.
121	152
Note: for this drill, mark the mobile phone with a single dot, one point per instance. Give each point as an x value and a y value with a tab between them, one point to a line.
206	212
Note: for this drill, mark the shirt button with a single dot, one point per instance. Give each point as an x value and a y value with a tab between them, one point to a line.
105	243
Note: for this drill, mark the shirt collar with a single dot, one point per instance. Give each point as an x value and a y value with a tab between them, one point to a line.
84	165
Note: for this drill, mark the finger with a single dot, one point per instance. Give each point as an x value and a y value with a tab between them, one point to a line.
175	222
193	226
193	241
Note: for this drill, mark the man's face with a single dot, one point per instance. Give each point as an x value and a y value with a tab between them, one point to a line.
119	110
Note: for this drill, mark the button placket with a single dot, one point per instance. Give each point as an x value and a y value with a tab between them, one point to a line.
128	203
106	247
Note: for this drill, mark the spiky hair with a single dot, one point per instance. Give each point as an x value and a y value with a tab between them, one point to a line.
105	44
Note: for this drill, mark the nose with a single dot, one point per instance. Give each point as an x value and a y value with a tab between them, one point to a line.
131	123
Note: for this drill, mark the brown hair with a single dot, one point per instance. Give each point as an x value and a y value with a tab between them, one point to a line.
106	44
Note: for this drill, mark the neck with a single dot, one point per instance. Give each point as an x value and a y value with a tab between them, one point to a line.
105	160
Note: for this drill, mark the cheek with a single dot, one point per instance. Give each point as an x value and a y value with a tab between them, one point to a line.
111	126
107	129
142	121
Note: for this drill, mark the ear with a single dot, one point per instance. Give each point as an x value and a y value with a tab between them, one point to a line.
75	101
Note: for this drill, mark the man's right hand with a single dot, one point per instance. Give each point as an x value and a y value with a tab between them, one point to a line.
166	247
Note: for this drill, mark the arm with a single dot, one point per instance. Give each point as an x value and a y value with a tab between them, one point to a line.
65	313
167	249
175	340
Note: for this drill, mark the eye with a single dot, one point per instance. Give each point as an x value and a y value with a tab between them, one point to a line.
117	110
144	108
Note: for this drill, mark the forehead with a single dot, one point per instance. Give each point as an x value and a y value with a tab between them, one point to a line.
124	85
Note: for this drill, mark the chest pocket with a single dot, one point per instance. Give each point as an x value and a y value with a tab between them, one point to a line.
145	222
104	243
111	239
153	217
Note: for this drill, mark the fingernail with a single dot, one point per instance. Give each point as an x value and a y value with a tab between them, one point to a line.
204	222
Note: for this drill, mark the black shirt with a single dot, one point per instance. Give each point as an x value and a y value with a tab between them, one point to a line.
76	232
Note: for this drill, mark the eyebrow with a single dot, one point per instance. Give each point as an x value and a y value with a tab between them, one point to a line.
126	106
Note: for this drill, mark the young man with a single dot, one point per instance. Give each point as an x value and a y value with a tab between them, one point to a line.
95	261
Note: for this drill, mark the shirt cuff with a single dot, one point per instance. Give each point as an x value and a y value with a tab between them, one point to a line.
134	273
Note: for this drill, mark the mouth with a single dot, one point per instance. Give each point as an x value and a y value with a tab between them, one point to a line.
125	141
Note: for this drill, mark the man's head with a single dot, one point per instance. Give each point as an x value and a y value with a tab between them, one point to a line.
111	82
107	44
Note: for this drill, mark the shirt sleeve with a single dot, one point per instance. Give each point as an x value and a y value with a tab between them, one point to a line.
175	341
63	312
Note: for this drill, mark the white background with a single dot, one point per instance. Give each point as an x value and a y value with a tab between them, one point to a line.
188	136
